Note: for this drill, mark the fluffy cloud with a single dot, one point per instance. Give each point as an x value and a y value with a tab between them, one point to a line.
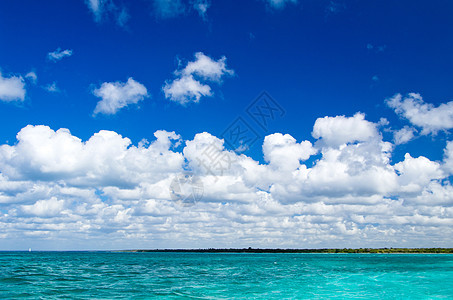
106	158
335	131
404	135
282	151
429	118
341	189
417	173
116	95
206	68
359	170
103	8
190	85
12	88
186	89
59	54
279	4
44	208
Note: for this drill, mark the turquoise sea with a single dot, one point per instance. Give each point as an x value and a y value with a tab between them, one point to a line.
108	275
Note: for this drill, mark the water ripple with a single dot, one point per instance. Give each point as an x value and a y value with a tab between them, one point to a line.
108	275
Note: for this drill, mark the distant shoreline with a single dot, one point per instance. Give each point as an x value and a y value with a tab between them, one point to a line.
344	250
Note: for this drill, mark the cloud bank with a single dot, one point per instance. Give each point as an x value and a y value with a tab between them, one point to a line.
340	187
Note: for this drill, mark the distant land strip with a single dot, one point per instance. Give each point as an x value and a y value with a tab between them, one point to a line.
344	250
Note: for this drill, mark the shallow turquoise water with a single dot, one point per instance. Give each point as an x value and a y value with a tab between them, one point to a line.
105	275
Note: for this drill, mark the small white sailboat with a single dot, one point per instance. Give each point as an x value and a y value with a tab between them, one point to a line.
29	249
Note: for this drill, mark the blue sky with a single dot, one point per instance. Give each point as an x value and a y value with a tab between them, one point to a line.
316	59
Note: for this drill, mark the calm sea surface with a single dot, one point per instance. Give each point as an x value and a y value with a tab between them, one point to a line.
107	275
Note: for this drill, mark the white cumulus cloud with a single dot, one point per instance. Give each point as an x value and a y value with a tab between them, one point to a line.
404	135
12	88
44	208
283	151
206	68
116	95
429	118
417	173
191	82
106	158
186	89
334	131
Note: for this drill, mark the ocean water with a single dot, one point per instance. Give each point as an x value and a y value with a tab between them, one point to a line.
109	275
